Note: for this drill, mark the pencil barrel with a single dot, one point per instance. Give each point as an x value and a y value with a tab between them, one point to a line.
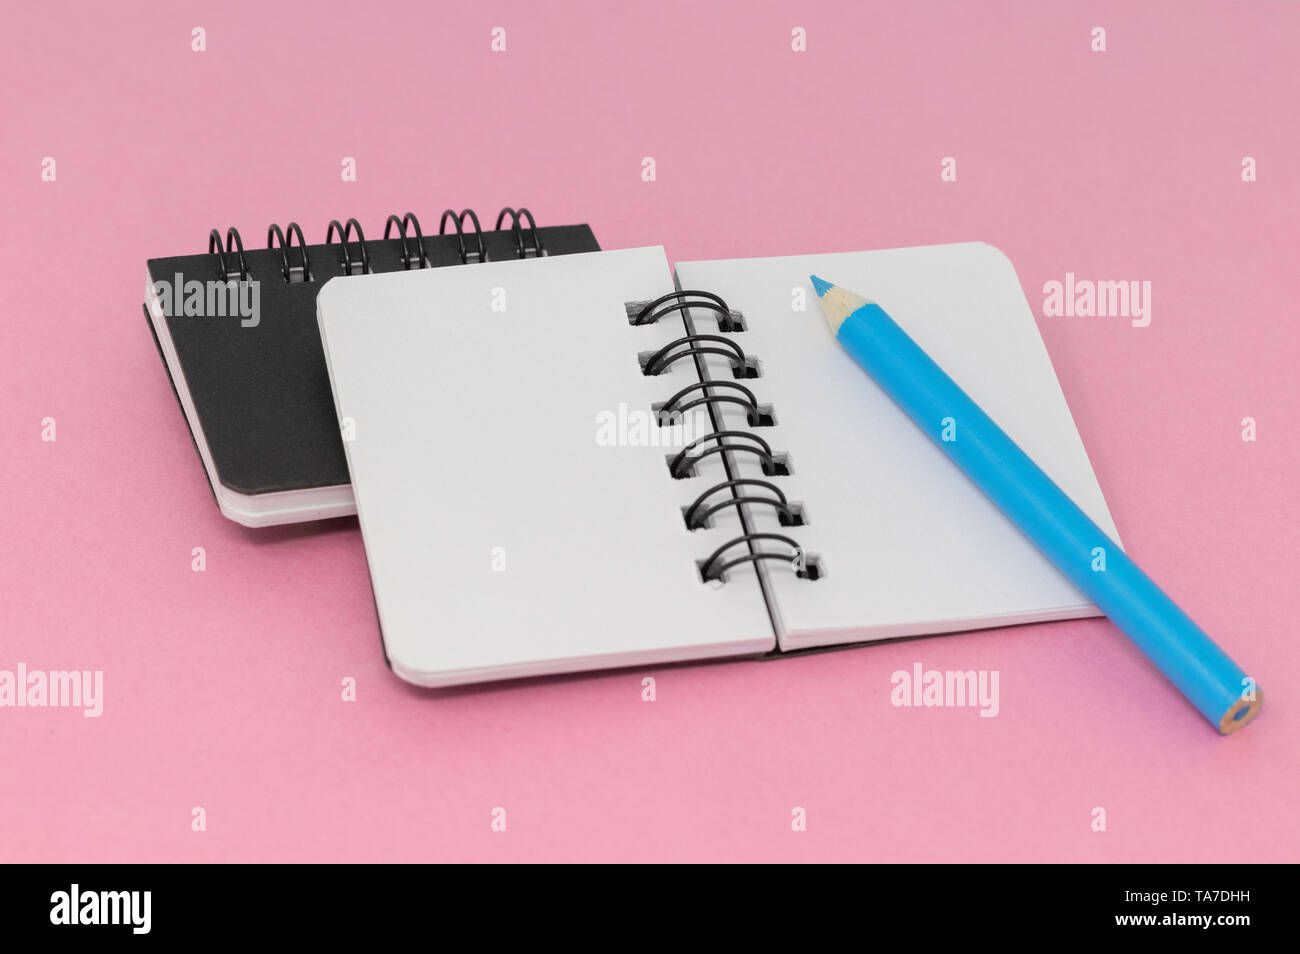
1080	549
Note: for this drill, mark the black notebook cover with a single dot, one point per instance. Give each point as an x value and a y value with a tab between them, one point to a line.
260	390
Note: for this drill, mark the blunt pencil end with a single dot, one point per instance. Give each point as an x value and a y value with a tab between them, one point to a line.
1240	713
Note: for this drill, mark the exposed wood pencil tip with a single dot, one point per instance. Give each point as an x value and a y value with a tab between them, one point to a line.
836	303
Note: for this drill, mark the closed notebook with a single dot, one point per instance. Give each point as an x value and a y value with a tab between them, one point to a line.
236	330
568	464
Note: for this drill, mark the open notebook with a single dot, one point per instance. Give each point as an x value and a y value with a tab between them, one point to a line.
556	470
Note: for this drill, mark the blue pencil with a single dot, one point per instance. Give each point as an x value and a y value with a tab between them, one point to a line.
1080	549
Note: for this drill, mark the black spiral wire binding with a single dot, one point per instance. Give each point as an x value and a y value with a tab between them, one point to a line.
275	239
682	465
345	238
673	409
233	243
680	302
711	570
481	252
723	442
691	345
421	256
697	518
523	228
517	231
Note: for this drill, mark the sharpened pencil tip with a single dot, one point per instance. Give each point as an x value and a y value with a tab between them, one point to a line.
836	303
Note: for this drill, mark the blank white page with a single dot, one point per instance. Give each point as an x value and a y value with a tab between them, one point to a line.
909	545
507	533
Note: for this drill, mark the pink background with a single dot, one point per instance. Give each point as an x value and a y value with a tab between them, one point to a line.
223	688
